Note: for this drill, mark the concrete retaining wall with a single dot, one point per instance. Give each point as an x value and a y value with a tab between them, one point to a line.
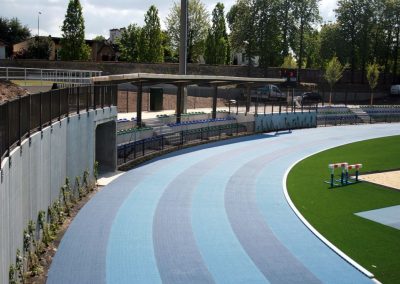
284	121
34	173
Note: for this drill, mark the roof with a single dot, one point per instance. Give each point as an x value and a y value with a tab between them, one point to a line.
54	39
151	79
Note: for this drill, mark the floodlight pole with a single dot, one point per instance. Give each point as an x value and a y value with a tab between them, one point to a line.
38	18
180	105
183	38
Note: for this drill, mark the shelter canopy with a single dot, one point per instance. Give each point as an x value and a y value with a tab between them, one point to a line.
152	79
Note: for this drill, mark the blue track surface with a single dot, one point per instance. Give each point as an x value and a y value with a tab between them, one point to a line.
211	214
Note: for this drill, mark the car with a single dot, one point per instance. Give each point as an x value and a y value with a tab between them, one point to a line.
269	92
395	90
310	97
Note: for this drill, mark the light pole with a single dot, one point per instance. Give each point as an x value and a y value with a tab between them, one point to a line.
181	98
247	49
183	37
38	18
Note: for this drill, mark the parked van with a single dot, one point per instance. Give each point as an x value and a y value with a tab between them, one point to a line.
395	90
270	92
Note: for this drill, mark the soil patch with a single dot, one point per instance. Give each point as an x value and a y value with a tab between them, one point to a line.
9	91
50	251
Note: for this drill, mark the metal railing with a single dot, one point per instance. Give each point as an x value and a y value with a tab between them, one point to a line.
30	75
138	149
338	120
21	117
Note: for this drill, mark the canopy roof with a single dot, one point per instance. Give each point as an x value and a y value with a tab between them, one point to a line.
152	79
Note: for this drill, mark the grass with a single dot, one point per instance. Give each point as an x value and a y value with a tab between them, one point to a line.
32	83
331	211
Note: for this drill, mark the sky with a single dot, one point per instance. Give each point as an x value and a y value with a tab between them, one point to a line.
102	15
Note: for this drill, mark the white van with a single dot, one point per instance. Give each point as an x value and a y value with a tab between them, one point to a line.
270	92
395	90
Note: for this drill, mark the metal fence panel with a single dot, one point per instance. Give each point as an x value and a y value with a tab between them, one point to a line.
20	117
3	130
25	116
55	104
14	121
148	146
35	111
46	108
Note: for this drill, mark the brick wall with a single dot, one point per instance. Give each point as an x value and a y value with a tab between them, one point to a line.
169	102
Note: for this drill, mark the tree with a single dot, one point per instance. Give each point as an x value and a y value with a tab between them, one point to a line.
73	46
306	13
289	62
268	33
198	24
333	73
128	43
243	32
151	49
12	32
389	26
312	42
286	18
168	50
39	48
332	44
354	19
365	40
99	38
396	39
217	39
372	77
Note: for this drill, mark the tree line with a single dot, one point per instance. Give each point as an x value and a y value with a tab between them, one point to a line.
288	33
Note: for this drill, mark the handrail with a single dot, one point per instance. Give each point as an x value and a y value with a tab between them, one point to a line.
55	75
25	115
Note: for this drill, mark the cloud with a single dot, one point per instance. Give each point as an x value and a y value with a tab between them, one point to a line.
103	15
326	9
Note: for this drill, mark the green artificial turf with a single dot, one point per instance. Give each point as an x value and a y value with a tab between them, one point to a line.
331	211
32	83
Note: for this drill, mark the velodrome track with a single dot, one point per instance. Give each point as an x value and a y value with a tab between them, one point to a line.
215	213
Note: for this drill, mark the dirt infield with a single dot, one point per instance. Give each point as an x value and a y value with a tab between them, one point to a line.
389	179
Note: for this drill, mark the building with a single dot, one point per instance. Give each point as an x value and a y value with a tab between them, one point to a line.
2	50
115	34
100	50
240	58
104	51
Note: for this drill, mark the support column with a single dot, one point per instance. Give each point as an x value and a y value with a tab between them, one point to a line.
248	98
139	104
214	102
183	37
179	104
183	51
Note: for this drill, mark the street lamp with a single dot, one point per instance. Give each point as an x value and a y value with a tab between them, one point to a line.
183	37
246	43
38	17
181	98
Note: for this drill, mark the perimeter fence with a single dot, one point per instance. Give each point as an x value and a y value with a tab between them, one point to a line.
24	115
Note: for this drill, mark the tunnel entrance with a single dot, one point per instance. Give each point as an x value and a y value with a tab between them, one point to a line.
106	147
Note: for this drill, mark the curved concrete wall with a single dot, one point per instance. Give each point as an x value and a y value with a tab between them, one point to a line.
32	176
